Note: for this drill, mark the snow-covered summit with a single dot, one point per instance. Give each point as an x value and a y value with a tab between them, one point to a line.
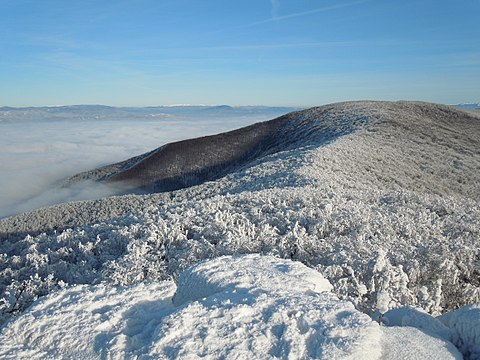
422	130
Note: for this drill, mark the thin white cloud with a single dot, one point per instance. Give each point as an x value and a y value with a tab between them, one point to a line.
275	6
284	46
299	14
312	44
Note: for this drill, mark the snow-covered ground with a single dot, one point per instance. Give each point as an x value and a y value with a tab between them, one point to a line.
388	213
245	307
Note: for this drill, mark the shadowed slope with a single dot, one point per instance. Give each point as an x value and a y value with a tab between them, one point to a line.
191	162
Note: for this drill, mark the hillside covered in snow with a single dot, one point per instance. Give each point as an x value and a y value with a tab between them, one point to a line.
380	201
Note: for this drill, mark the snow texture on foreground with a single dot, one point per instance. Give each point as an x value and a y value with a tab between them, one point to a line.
255	307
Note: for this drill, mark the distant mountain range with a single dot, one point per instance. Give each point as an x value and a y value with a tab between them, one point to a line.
95	112
103	112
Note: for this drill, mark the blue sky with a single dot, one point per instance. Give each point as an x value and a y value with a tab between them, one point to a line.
271	52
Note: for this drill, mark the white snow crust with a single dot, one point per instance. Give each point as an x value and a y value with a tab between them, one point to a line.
465	326
243	307
460	327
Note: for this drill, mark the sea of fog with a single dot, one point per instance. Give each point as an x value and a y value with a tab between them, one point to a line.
41	147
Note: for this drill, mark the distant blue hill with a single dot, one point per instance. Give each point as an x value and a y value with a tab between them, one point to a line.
96	112
468	106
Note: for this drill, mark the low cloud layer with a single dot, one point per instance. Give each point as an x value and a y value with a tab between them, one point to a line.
40	150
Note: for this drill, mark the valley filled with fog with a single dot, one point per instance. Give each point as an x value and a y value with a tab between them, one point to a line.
41	147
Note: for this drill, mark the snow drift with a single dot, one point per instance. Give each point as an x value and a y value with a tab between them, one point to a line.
382	199
231	307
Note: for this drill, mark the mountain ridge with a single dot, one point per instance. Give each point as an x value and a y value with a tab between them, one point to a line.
191	162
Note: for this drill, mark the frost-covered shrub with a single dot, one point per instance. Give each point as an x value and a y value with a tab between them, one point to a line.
35	265
374	257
